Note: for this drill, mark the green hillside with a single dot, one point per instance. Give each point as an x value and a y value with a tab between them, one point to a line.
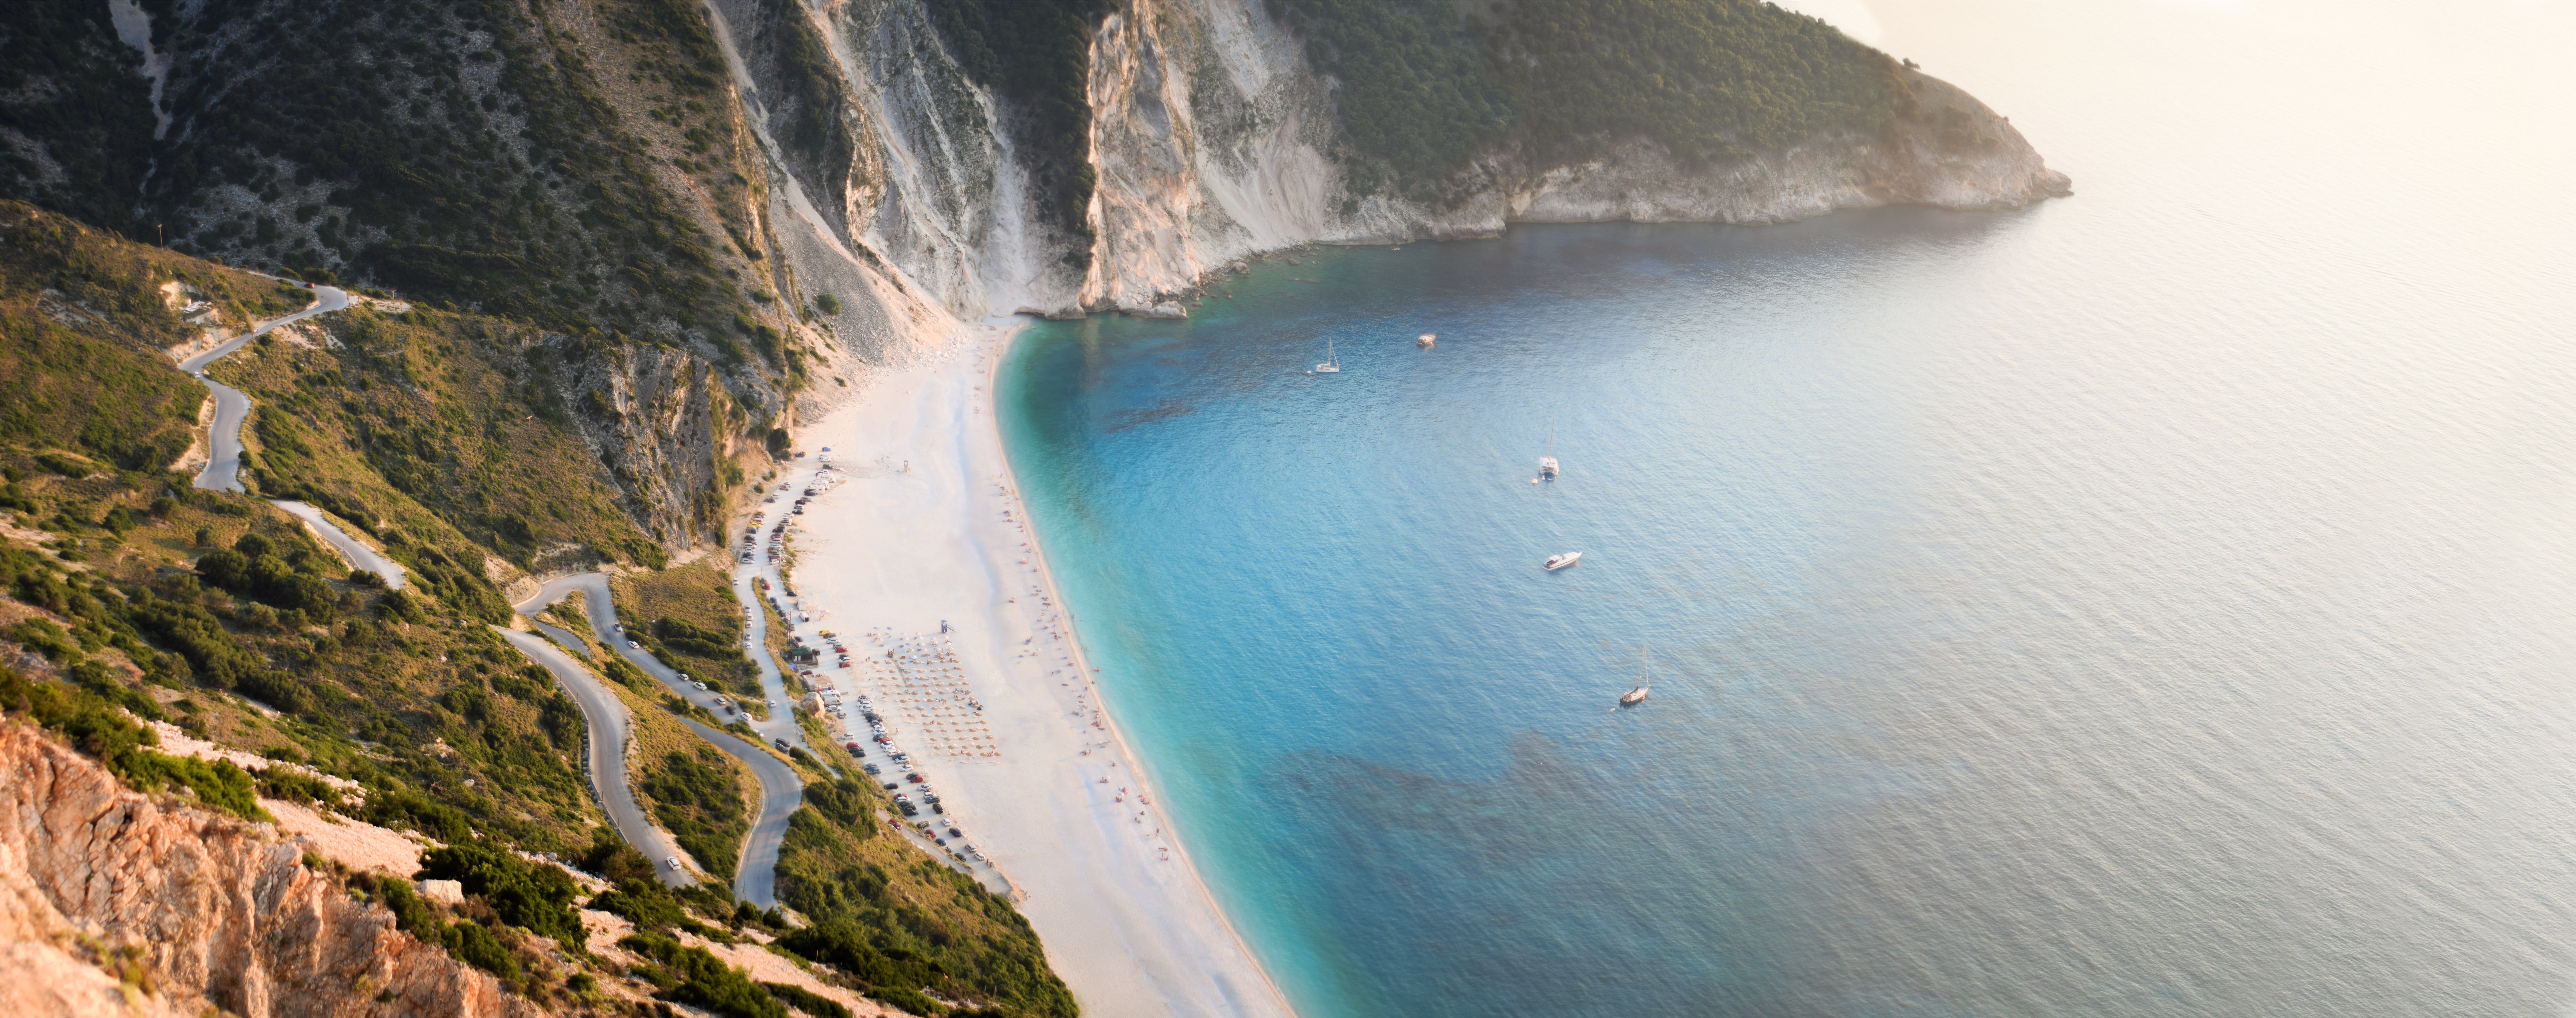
144	599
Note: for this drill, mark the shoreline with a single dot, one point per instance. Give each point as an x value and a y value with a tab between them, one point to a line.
926	526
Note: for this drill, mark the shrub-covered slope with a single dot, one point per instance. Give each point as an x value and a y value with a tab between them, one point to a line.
129	597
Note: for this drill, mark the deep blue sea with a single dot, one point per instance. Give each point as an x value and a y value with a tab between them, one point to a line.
2159	601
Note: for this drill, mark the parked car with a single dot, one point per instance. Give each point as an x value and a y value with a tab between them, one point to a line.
781	744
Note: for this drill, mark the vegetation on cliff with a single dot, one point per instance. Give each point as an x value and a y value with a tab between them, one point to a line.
584	177
892	922
1424	85
77	116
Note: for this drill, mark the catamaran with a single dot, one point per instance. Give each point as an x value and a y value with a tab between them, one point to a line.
1332	361
1638	694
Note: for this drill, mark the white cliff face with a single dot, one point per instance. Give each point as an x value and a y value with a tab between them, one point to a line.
1209	140
1208	135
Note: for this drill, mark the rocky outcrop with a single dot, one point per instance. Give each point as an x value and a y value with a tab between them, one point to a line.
112	902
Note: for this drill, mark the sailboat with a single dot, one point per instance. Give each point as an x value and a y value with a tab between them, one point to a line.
1547	463
1637	695
1332	361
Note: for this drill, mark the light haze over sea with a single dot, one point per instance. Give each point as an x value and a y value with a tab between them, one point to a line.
2158	601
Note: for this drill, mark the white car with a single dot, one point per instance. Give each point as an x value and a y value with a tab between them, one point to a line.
672	861
632	645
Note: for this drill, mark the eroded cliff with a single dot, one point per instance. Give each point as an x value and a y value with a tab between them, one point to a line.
113	902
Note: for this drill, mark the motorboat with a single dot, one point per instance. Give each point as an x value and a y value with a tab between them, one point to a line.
1556	562
1427	339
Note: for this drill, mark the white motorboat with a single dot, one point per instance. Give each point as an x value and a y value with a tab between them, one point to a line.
1556	562
1426	340
1332	361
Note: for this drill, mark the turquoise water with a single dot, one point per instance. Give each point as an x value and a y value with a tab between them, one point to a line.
2152	602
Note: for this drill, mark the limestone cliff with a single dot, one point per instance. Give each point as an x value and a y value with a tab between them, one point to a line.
113	902
1212	138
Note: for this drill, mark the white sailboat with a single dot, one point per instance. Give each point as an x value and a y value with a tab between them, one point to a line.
1332	361
1637	695
1547	463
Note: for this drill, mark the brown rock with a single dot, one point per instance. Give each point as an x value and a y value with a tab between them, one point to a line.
196	911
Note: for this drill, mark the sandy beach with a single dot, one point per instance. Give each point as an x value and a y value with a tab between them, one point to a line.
926	528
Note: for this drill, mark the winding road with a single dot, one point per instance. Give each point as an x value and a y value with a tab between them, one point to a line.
223	469
606	717
606	745
780	787
224	447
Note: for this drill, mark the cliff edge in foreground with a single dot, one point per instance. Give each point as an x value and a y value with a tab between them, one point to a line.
113	903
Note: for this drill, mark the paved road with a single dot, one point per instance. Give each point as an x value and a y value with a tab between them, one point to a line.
780	787
781	791
563	636
607	752
224	447
351	549
223	466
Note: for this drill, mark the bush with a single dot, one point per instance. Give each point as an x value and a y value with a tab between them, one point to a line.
806	1000
699	800
532	896
704	981
476	946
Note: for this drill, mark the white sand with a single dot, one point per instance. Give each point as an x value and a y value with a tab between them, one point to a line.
1125	919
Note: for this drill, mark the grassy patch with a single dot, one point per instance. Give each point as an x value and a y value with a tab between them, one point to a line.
82	327
687	617
428	414
684	783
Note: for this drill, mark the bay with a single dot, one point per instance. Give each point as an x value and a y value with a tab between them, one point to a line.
2155	601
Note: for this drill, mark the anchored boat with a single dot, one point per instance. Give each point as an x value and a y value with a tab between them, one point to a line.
1637	695
1426	340
1332	361
1547	463
1556	562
